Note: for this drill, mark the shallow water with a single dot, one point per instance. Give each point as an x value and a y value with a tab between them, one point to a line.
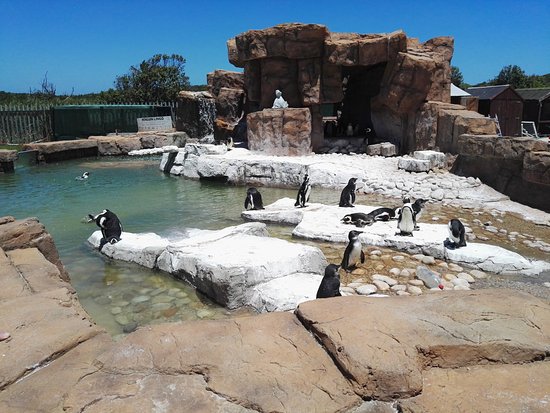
120	296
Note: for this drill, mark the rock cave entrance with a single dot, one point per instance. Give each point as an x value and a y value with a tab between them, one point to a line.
352	116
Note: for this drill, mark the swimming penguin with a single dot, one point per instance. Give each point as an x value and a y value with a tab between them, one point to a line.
110	225
347	197
330	284
354	252
303	193
83	177
406	222
417	209
457	233
253	199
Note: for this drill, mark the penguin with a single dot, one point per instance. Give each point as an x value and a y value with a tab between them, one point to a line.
358	219
354	252
382	214
417	209
83	177
110	225
347	197
330	284
457	233
303	193
253	199
406	221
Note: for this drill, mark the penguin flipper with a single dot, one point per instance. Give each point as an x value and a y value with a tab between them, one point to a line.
362	257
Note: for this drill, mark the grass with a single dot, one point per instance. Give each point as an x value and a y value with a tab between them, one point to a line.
11	147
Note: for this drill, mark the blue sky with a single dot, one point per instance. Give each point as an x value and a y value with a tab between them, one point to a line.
85	44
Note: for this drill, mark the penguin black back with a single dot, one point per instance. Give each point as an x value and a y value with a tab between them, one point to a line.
347	197
457	233
253	199
303	193
354	252
330	284
110	225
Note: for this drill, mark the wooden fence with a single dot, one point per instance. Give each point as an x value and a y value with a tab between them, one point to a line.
31	123
25	123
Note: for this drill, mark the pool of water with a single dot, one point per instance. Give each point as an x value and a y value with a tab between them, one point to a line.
120	296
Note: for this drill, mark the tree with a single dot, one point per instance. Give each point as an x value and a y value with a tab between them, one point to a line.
456	77
159	78
512	75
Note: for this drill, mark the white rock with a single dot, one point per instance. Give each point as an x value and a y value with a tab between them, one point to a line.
398	258
460	281
466	276
403	293
405	272
546	284
398	287
478	274
436	159
428	260
416	283
449	277
395	272
414	290
455	267
347	290
414	165
388	280
381	285
461	287
366	289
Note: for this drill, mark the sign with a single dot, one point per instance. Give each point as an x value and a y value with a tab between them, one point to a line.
154	123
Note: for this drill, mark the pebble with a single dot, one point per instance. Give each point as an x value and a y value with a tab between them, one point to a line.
460	281
478	274
128	328
416	283
388	280
435	218
403	293
366	289
379	267
120	303
449	276
398	287
546	284
381	285
545	249
491	229
157	291
405	273
203	313
359	280
455	267
443	264
342	289
122	319
116	310
103	300
482	238
428	260
418	257
461	287
140	299
395	272
414	290
355	284
376	252
161	306
398	258
466	276
359	271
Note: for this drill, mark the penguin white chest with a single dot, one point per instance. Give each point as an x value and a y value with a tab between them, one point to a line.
355	255
406	224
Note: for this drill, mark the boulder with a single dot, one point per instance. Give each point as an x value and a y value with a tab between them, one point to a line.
63	150
444	330
219	79
30	233
414	165
282	132
437	159
226	269
382	149
281	211
263	363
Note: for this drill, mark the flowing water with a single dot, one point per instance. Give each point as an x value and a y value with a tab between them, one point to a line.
121	296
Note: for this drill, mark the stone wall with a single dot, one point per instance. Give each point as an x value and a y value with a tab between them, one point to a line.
516	166
284	132
308	64
195	114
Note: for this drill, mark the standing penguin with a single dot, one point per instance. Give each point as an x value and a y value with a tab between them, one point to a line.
347	197
457	233
417	209
406	222
330	284
354	252
253	199
110	225
303	193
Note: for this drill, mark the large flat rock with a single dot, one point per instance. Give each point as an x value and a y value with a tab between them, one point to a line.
236	266
496	389
383	346
267	363
323	223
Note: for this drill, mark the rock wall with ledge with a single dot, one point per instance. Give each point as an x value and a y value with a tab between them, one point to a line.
516	166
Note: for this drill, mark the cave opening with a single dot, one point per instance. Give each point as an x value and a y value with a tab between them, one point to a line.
351	118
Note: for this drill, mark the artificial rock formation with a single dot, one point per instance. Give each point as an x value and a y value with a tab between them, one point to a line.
379	81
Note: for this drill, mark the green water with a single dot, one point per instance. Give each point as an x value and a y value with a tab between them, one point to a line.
145	200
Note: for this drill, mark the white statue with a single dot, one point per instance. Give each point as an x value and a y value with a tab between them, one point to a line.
279	102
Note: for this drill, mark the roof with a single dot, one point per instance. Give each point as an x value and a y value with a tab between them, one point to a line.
487	92
456	91
539	93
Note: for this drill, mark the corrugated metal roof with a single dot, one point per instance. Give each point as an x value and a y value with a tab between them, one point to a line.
487	92
539	93
456	91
